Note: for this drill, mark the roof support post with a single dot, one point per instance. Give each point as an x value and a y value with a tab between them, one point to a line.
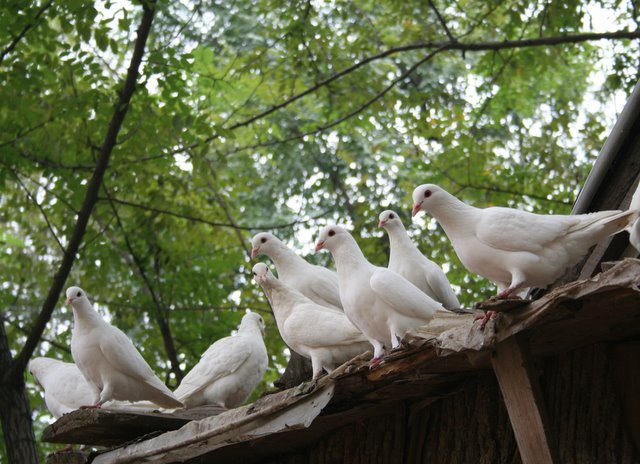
513	365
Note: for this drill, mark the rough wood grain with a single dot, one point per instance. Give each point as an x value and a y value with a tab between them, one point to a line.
109	427
513	365
280	412
67	457
585	407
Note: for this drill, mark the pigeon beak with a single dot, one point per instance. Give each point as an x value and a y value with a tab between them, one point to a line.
319	245
416	208
69	300
382	223
254	252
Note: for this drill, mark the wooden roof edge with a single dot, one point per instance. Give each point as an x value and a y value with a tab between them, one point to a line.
354	381
287	411
513	320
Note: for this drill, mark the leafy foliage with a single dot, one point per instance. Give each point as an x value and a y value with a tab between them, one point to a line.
223	139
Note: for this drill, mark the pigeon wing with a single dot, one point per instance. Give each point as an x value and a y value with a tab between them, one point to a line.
325	289
221	359
319	328
402	295
441	287
513	230
123	356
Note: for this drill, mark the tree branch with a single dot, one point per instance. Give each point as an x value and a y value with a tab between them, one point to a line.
442	22
227	211
436	46
24	31
134	261
38	205
214	223
90	199
25	132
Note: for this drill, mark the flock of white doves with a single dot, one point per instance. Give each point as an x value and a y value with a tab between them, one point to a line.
331	317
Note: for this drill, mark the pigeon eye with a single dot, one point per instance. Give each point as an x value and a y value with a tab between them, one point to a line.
332	233
391	216
263	240
427	193
79	294
255	273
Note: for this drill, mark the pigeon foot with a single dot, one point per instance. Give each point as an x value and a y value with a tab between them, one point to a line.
375	362
92	406
485	318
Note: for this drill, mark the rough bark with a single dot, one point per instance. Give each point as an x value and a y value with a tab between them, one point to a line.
15	416
298	370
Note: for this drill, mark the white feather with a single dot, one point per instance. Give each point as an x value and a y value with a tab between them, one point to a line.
111	364
317	283
513	248
316	332
229	370
379	302
406	260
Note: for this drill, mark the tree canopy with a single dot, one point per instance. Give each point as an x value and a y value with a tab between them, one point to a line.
279	116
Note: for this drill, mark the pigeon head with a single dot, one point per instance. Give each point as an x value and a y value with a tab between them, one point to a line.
262	243
329	237
261	273
423	196
251	319
37	366
75	294
389	218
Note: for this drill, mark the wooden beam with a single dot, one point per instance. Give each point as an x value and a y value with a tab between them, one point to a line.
281	412
513	366
109	427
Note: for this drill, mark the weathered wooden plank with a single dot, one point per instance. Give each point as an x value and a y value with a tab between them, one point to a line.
514	369
109	427
287	412
626	360
67	457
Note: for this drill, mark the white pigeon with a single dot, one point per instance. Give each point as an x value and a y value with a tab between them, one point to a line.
513	248
321	334
379	302
315	282
406	260
65	388
229	370
112	366
634	230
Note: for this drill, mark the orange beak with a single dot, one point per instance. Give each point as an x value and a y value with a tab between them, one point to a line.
254	252
416	208
319	245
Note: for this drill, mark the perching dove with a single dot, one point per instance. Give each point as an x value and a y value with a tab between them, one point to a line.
65	389
315	282
406	260
112	366
229	370
513	248
634	230
321	334
379	302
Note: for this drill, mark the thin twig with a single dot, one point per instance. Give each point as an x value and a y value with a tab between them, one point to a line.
24	31
215	223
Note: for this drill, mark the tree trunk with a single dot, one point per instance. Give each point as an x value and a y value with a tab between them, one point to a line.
298	370
15	415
